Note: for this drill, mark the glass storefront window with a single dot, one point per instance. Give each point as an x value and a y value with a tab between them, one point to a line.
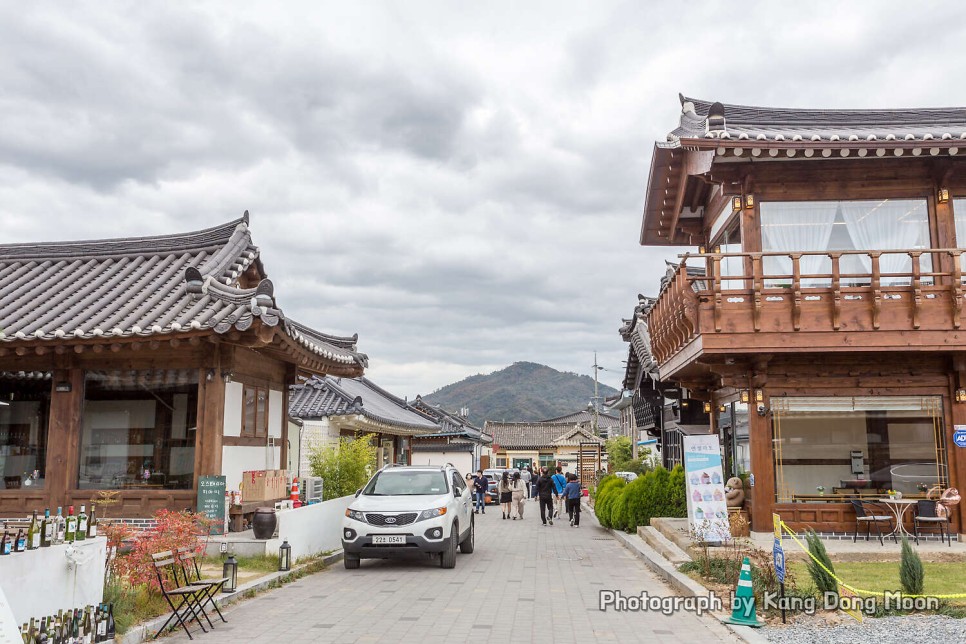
847	447
24	410
138	429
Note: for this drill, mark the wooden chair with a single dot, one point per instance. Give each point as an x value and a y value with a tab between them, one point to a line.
192	577
189	597
926	515
863	517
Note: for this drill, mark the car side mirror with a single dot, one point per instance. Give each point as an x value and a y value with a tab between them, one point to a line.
358	492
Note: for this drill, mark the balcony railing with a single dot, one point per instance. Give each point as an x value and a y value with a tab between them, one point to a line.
755	292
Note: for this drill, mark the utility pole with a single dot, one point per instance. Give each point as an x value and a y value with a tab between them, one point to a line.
596	398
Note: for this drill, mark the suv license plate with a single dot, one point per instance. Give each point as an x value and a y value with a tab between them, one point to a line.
388	539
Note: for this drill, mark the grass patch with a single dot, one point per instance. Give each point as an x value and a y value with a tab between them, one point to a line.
941	578
133	605
263	564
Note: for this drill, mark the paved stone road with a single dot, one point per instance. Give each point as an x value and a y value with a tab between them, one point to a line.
524	583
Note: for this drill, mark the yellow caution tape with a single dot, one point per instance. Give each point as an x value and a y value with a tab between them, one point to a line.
859	591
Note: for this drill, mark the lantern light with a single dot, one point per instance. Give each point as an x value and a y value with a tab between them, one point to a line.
749	201
943	195
707	408
736	204
759	396
744	395
961	395
230	572
285	557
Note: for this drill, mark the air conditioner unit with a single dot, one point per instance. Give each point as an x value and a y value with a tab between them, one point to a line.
310	489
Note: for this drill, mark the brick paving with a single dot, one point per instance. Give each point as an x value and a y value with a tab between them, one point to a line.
524	583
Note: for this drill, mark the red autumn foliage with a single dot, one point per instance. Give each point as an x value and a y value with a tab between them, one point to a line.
171	531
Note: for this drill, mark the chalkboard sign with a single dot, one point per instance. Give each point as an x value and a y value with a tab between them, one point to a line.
211	500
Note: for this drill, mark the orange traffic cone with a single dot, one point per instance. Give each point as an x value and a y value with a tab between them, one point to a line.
294	496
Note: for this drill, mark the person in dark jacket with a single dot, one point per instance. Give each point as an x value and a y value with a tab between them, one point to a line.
480	485
573	492
545	493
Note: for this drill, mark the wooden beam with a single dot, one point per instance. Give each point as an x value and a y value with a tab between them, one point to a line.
63	435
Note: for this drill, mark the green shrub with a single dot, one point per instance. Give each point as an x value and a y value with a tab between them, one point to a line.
911	573
345	467
678	501
608	492
824	582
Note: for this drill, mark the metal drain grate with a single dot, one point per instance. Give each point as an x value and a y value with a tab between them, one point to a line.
601	539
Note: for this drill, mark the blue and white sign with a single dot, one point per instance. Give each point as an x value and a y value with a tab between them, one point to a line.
707	508
779	557
959	435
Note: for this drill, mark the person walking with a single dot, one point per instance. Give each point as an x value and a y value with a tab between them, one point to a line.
545	494
480	485
533	482
559	483
506	495
518	495
526	475
573	492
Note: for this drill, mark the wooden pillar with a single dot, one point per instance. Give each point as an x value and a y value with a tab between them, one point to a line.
64	435
211	418
956	456
943	231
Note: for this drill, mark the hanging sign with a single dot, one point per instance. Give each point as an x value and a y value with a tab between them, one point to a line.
707	508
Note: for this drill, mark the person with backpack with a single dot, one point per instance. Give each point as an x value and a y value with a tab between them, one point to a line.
559	483
573	493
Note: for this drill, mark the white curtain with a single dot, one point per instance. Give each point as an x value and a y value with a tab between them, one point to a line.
889	224
797	226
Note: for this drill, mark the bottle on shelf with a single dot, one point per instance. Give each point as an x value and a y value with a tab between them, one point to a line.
47	530
101	625
82	524
33	533
60	526
43	637
70	531
92	522
4	543
20	545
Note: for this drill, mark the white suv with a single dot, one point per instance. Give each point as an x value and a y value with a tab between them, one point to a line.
410	509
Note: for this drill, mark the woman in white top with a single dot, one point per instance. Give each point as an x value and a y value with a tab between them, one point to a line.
518	494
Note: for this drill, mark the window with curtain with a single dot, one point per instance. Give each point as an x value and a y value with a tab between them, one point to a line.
23	428
881	224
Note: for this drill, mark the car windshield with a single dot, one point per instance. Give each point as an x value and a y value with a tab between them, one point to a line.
406	483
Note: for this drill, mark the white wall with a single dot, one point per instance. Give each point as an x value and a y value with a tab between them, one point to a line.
275	413
463	461
41	582
311	529
235	460
233	408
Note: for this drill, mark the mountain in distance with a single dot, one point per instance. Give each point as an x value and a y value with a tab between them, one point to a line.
522	391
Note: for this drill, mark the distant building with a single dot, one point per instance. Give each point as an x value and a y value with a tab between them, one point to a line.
457	442
539	443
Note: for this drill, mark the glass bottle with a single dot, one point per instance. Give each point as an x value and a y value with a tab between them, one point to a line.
92	523
33	533
70	531
82	524
47	530
60	526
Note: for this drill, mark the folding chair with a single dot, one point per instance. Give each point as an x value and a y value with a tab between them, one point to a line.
926	515
869	519
192	577
166	568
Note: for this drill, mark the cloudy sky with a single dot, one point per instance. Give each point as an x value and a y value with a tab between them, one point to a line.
461	185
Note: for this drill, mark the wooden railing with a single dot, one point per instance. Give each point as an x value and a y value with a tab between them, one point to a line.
739	284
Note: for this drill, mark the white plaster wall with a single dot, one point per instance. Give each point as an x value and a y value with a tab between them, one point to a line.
275	413
235	460
233	408
463	461
312	528
39	582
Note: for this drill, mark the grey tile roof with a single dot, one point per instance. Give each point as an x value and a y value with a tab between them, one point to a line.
323	397
532	435
149	287
450	424
934	126
422	446
586	418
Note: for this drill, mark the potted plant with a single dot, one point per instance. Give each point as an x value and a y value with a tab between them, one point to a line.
820	489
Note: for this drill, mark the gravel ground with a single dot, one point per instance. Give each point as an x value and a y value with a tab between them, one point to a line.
885	630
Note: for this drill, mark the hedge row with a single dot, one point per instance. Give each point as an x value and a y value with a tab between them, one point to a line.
625	506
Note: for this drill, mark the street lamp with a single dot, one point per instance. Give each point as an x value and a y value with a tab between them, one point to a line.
230	572
285	557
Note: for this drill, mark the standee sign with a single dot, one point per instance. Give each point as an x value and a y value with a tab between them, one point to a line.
707	508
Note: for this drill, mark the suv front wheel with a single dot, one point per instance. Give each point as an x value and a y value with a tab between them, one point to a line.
447	559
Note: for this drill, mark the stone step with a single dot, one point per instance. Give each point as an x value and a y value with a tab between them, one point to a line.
668	549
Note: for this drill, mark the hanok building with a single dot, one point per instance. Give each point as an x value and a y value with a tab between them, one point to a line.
457	442
829	295
327	409
600	424
541	444
138	365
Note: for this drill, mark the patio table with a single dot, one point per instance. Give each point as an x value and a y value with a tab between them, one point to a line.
898	507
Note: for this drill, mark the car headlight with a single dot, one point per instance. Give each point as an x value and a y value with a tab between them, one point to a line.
355	514
432	514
